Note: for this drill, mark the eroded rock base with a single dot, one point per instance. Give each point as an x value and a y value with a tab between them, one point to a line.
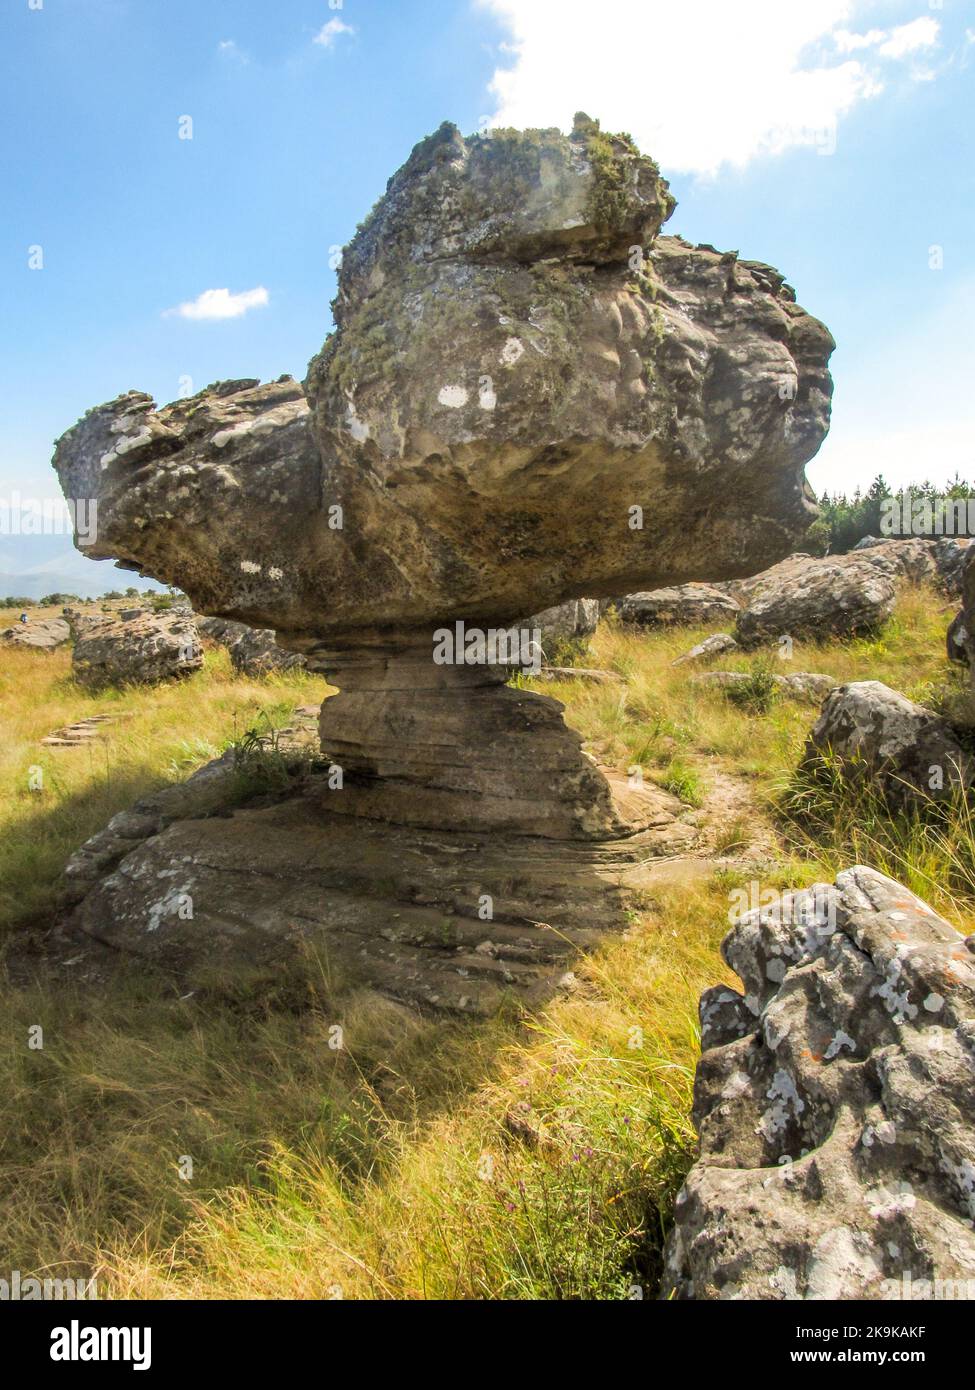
440	919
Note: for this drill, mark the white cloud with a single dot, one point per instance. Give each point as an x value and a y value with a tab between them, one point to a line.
908	38
849	43
221	304
228	48
329	32
698	84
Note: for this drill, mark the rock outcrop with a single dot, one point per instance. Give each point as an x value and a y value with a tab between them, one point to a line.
42	635
682	605
718	644
810	596
530	396
881	737
835	1106
141	650
253	651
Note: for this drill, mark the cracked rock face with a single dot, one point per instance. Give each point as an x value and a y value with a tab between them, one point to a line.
142	650
834	1102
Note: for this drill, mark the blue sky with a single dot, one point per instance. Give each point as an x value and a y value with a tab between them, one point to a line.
831	138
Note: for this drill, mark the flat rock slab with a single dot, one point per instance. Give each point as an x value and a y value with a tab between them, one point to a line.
436	919
45	635
83	732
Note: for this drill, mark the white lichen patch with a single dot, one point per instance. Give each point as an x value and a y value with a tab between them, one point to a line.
884	1203
249	567
786	1103
127	445
839	1041
359	429
513	350
934	1003
453	397
275	573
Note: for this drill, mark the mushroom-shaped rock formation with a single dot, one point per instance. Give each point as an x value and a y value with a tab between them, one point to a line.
530	396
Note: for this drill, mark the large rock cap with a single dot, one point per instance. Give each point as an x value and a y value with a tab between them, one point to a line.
530	396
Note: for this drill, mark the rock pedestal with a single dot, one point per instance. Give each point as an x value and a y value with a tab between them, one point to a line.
530	396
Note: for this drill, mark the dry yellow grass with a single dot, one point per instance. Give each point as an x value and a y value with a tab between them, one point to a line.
166	732
524	1158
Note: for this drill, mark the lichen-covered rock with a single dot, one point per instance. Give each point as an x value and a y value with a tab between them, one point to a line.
835	1105
143	650
681	605
880	737
253	651
800	685
573	622
718	644
842	595
808	596
42	635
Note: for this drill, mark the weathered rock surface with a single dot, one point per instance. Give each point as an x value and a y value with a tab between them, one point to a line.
811	597
192	882
881	736
835	1105
842	595
144	650
43	635
253	651
682	605
961	633
474	489
80	622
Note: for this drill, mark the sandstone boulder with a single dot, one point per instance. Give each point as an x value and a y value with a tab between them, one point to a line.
808	597
530	396
144	650
409	483
880	736
683	605
835	1106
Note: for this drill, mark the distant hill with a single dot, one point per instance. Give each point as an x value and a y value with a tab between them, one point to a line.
32	566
